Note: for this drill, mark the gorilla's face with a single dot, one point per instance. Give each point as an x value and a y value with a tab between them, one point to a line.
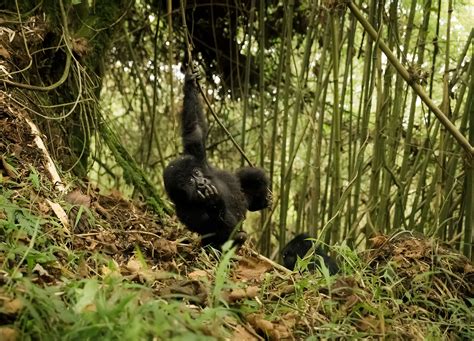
197	178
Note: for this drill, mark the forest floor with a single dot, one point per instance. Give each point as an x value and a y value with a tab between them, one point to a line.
77	264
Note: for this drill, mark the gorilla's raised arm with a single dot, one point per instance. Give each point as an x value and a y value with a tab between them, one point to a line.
194	126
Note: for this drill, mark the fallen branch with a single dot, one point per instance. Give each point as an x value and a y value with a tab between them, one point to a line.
49	164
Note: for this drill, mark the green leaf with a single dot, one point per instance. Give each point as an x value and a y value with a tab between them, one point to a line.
34	178
86	295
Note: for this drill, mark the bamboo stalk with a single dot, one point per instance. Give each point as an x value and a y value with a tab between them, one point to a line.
418	89
247	79
469	173
286	109
296	116
393	117
448	173
347	77
365	106
266	235
320	92
336	133
422	33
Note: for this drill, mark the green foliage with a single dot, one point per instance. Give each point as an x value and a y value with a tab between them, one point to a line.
355	303
34	177
22	238
110	310
222	272
132	172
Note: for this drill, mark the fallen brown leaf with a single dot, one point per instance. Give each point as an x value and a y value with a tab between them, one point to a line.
192	289
242	334
76	197
59	212
133	266
351	300
41	271
167	249
198	274
378	241
236	295
251	269
252	291
13	306
4	52
260	324
8	334
44	208
368	323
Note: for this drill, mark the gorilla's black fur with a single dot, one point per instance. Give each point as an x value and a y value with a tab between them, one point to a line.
299	246
210	201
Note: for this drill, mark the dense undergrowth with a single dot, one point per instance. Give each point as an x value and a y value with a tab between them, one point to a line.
77	264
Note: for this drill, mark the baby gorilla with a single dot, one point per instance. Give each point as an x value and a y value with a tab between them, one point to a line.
299	246
210	201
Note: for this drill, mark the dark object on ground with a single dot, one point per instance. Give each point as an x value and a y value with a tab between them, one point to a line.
210	201
299	246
